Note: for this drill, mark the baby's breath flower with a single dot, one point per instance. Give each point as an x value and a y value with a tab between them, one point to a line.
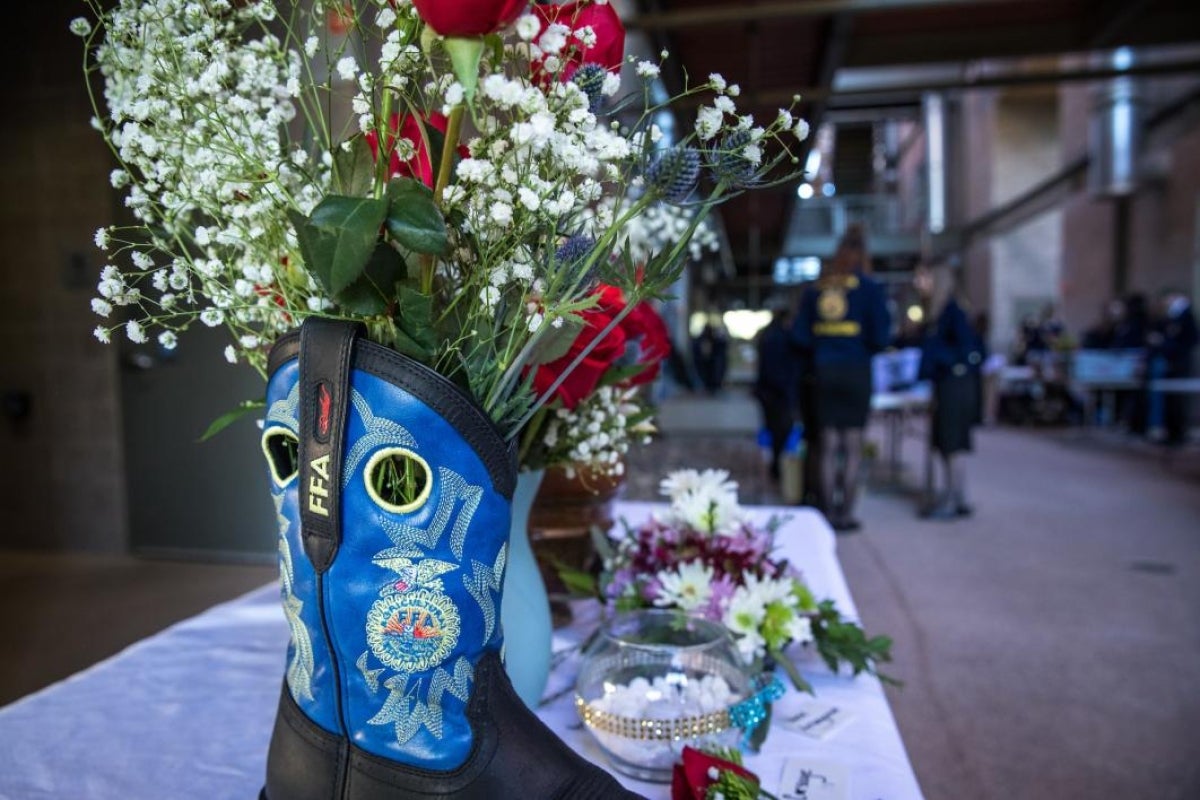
102	238
347	68
168	340
80	26
101	306
386	18
102	334
801	129
528	27
708	122
231	354
647	69
133	330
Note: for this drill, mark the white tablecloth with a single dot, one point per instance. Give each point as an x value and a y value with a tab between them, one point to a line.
187	713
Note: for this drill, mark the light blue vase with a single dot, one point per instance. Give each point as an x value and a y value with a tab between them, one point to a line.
525	609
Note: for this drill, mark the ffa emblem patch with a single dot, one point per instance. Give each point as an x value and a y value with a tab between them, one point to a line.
413	631
831	305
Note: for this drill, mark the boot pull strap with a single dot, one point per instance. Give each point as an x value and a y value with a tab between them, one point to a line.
326	347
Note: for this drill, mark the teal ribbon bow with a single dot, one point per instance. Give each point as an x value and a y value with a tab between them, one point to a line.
748	714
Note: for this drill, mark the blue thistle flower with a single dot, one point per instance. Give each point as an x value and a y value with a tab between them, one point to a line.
673	173
590	78
727	162
574	250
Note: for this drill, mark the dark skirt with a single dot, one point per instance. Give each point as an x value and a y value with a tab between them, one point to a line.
843	394
955	409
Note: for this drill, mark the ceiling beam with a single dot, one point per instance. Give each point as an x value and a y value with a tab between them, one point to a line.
1109	20
783	95
734	13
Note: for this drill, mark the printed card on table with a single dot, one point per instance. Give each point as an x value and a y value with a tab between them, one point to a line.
817	720
814	779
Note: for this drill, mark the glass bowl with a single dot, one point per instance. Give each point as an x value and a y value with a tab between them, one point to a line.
653	681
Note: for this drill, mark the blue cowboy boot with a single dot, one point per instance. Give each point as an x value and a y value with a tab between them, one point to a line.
395	687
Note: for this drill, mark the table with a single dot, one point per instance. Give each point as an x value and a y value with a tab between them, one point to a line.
895	407
1176	385
187	713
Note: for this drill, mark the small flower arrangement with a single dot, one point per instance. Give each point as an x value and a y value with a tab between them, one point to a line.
595	415
456	175
715	774
704	557
594	437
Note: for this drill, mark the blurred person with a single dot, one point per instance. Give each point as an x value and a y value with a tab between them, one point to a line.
1102	335
1172	341
710	353
979	363
843	320
952	359
777	384
1132	333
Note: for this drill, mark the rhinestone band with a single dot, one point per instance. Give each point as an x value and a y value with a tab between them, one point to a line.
653	729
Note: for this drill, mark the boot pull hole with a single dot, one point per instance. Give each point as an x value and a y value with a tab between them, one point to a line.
398	480
282	449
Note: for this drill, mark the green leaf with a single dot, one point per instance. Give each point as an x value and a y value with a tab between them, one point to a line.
465	52
602	544
759	734
346	231
228	418
577	581
793	673
354	168
414	315
413	221
555	343
619	373
316	248
371	294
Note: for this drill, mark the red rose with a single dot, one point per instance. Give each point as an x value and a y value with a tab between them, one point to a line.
469	17
654	343
608	49
691	779
582	380
420	166
642	325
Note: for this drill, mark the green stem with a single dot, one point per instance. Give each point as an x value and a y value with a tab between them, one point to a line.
384	161
533	432
449	147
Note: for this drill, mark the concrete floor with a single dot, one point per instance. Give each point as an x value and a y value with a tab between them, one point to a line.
1050	645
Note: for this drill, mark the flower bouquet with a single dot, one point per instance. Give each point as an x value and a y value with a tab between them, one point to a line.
401	211
705	557
715	774
594	416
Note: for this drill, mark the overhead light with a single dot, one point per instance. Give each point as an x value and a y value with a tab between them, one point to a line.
812	164
829	190
745	324
804	191
915	313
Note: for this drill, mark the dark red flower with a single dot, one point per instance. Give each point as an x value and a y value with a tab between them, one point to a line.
420	165
582	380
608	49
654	343
690	779
469	17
